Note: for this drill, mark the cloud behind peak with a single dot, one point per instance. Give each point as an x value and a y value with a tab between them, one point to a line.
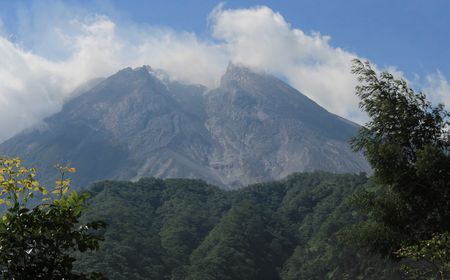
34	85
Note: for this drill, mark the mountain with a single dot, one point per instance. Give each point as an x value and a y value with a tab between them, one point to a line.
136	123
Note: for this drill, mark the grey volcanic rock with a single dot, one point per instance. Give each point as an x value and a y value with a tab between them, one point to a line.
266	130
252	128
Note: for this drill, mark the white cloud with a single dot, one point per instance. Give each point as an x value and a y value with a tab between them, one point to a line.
438	89
35	84
33	87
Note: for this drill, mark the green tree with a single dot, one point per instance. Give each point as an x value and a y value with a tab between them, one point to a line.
39	242
429	259
406	141
187	229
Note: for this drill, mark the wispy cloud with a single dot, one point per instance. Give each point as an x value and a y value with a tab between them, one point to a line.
78	46
438	88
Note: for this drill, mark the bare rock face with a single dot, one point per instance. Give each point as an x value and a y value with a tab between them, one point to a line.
252	128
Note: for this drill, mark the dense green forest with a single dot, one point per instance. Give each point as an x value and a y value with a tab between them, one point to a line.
187	229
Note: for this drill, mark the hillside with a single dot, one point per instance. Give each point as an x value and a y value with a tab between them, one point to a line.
187	229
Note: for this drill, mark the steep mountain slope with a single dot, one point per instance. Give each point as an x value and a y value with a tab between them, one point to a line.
267	130
252	128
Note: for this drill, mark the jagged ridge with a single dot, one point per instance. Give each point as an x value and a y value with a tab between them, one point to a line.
252	128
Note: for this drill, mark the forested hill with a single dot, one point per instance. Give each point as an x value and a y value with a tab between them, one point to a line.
187	229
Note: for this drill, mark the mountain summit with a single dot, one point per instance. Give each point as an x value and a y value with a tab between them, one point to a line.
252	128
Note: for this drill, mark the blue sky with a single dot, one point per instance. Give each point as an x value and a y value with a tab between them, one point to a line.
49	48
413	35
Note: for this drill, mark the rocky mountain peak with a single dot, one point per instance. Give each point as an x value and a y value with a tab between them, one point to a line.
136	123
238	69
237	74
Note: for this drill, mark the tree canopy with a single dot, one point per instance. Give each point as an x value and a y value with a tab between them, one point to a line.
39	242
407	142
187	229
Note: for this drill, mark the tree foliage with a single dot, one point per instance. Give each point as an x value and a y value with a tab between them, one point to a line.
407	142
187	229
38	242
429	259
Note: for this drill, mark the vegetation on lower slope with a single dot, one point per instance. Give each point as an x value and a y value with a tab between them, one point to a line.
40	228
187	229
